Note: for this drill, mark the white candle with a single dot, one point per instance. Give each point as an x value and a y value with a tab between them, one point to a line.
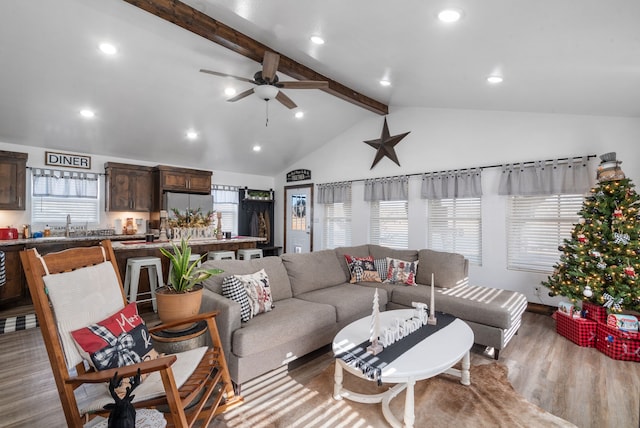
432	307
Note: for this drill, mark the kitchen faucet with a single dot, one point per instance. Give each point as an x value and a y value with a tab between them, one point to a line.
67	231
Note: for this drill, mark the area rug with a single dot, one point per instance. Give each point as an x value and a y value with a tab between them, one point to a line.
22	322
442	401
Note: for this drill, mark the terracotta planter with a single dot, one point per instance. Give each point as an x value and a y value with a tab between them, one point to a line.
174	306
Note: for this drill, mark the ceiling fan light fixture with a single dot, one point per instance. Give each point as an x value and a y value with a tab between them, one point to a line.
266	92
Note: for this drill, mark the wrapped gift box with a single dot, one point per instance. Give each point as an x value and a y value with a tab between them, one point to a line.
618	344
597	313
580	331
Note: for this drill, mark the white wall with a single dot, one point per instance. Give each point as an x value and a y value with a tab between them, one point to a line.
36	159
443	139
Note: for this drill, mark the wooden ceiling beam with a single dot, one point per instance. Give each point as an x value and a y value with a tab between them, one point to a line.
205	26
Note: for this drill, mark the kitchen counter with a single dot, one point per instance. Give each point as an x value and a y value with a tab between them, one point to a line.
32	242
142	245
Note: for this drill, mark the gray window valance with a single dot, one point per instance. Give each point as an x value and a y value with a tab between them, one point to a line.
334	193
466	183
546	178
387	189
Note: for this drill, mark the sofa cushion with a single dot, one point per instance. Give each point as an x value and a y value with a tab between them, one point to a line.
278	278
351	301
313	271
290	318
362	269
449	269
356	251
380	252
401	271
483	305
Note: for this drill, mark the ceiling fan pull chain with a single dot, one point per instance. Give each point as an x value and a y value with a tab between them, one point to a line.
267	114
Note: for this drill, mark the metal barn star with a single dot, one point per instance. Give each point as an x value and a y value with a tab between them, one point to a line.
385	145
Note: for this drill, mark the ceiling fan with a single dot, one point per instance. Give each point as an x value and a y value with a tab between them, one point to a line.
268	84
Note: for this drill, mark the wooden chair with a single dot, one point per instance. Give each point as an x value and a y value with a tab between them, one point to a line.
195	385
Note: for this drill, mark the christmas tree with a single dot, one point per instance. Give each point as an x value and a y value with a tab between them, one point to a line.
600	261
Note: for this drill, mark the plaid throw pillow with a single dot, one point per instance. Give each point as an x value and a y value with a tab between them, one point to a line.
233	289
362	269
381	267
119	340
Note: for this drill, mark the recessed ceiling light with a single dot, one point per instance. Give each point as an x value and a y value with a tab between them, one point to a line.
495	79
108	48
230	91
317	40
385	82
449	15
299	114
257	148
192	135
87	113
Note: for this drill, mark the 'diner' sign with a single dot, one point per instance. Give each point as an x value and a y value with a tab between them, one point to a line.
67	160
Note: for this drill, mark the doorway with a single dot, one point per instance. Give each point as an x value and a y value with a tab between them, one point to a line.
298	218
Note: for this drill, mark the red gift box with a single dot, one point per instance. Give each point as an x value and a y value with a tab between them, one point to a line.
618	344
595	312
580	331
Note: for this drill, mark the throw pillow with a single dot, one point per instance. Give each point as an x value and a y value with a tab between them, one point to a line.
119	340
362	269
401	272
258	291
381	267
233	289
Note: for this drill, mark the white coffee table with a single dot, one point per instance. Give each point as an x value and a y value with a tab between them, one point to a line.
434	355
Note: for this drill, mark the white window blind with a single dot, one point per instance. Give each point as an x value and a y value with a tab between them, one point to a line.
337	225
56	194
225	201
390	224
455	225
536	226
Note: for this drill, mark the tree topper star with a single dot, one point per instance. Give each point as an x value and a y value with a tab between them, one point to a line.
385	145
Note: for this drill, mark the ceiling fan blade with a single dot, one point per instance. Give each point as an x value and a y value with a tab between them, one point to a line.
285	100
303	84
241	95
270	65
216	73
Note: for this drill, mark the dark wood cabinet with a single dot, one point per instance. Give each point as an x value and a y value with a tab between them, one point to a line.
13	290
183	180
129	187
13	176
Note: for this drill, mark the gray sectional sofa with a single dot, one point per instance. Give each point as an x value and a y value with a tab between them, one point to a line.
313	300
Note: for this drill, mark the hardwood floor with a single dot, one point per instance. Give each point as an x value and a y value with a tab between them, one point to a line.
580	385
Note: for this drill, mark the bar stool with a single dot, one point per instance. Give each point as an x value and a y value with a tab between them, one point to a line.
249	253
132	278
221	255
192	258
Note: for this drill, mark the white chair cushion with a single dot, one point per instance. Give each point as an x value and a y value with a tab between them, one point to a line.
82	297
93	397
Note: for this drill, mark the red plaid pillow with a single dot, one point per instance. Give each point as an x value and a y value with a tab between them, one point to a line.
119	340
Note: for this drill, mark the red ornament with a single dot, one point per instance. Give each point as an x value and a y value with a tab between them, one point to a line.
629	270
617	213
582	238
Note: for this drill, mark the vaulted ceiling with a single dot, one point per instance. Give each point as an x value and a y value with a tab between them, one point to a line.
569	57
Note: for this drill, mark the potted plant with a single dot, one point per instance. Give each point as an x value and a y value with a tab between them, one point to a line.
182	296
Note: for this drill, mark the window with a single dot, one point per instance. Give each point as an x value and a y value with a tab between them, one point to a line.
56	194
225	201
455	225
536	226
390	224
337	225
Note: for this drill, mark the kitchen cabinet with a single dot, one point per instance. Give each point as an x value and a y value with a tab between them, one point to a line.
13	290
13	168
129	187
184	180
